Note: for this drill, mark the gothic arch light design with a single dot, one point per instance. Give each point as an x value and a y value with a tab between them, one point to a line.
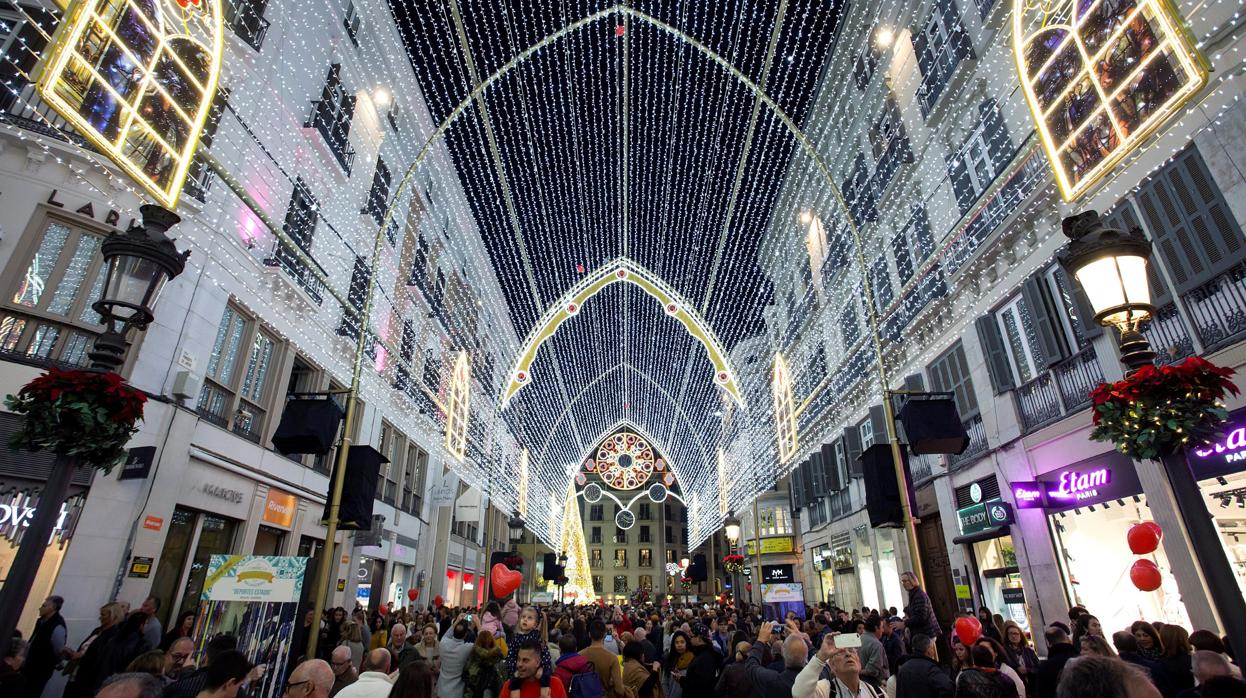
458	407
621	270
1099	78
150	126
784	412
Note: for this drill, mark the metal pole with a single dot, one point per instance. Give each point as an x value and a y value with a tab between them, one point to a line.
757	557
21	574
488	543
902	478
1226	596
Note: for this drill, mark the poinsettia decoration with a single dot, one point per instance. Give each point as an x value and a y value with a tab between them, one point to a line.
685	583
1158	411
733	563
84	414
515	562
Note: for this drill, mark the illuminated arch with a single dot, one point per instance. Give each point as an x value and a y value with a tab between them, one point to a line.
784	413
621	270
458	407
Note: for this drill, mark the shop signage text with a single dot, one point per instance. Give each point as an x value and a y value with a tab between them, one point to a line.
1227	454
1028	495
1080	484
17	512
140	567
232	496
153	523
782	544
777	573
138	463
1014	596
976	518
279	508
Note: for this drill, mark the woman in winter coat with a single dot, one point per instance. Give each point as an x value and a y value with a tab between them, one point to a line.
675	666
1020	655
640	680
482	676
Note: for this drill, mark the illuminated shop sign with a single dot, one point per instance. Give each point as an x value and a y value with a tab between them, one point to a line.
984	516
1094	480
1101	76
137	78
1227	454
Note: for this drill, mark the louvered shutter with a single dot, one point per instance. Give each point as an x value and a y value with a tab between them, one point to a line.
798	492
1192	225
830	464
962	185
817	476
919	50
998	145
878	422
852	445
1050	347
806	483
995	352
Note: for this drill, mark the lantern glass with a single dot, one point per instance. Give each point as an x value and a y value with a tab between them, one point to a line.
733	533
1117	288
133	283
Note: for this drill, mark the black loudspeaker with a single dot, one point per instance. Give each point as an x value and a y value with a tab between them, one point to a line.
363	468
882	490
307	426
934	426
697	571
550	572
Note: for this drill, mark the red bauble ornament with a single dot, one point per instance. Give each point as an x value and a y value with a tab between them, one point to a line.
413	594
620	30
1144	538
505	580
968	629
384	609
1145	575
438	601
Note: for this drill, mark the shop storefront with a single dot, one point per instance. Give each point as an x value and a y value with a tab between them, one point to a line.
825	589
1090	506
984	521
844	568
1221	470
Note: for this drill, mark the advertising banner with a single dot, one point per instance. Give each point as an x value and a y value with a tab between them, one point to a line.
778	599
255	599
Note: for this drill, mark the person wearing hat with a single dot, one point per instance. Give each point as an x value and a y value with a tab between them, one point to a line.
702	674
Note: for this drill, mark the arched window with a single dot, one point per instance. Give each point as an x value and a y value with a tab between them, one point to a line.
1099	77
458	407
784	412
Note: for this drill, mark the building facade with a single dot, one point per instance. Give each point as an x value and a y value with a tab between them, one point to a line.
956	217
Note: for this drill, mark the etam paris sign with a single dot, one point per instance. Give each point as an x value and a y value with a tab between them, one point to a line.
1102	478
1227	454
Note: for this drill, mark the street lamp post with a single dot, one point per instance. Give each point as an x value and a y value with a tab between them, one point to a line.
139	261
514	527
731	527
1111	266
562	576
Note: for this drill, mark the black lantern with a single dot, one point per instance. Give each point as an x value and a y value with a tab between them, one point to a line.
1111	266
731	526
515	524
140	261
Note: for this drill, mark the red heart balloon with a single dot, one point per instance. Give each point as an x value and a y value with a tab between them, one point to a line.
1145	575
1144	538
505	580
438	601
968	629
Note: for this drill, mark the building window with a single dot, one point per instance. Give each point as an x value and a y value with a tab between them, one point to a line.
356	295
866	430
646	557
1016	326
199	178
620	557
646	511
620	584
596	512
620	536
246	19
940	46
595	536
784	414
983	156
235	387
393	447
644	534
880	275
646	581
594	558
415	466
48	315
597	584
378	195
950	374
670	556
332	115
302	214
458	410
351	23
669	535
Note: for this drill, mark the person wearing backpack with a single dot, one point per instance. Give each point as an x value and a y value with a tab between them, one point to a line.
576	672
604	661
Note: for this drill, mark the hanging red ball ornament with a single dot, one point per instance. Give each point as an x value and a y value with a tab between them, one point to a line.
413	594
438	601
383	610
1144	538
968	629
1145	575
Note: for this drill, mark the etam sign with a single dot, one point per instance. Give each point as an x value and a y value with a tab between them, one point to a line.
1094	480
1227	454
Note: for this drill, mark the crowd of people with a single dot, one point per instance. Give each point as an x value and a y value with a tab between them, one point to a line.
659	650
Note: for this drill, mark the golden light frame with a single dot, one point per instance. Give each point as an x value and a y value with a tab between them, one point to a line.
784	411
1100	83
137	79
458	407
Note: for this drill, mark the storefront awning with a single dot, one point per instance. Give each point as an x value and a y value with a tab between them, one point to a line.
985	534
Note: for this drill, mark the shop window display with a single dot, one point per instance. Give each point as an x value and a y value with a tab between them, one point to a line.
997	560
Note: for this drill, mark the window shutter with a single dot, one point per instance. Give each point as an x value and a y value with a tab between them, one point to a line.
1081	304
962	185
798	492
919	49
1046	325
1193	228
878	422
914	383
852	444
998	145
1124	216
806	483
830	464
959	38
817	476
996	354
